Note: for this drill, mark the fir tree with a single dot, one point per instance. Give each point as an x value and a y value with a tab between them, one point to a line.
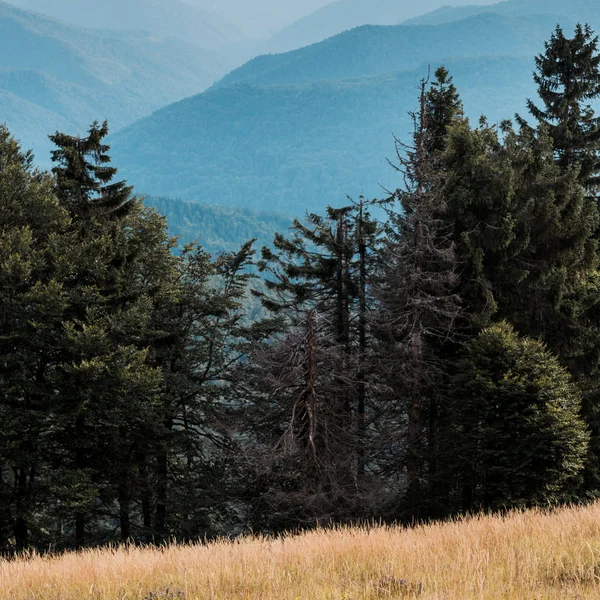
568	79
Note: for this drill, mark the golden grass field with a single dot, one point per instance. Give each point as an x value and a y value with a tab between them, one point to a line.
525	555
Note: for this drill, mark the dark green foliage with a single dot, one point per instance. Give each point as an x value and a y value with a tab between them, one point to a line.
513	437
441	361
442	108
418	301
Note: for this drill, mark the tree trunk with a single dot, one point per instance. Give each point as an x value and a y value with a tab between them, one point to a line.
20	527
124	487
162	484
362	346
80	463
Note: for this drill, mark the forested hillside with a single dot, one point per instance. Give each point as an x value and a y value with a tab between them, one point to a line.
55	76
218	228
431	353
369	50
421	342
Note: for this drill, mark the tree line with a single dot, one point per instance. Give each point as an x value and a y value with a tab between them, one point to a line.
441	359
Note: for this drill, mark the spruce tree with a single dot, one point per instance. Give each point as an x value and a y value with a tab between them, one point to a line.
319	283
32	304
106	386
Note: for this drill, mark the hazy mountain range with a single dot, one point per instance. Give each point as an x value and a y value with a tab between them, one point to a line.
163	18
260	18
282	132
56	76
303	129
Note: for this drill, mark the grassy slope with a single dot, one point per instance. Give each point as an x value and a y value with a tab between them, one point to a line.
524	556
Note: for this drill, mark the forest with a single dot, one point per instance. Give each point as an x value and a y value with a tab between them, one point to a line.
422	355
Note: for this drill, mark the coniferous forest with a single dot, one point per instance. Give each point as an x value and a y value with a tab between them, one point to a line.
428	353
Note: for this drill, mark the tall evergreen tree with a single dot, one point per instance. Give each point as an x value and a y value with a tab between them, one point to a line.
106	386
418	308
443	107
319	283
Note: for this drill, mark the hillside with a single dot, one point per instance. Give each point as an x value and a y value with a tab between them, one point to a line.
217	228
521	556
369	50
346	14
163	18
289	148
58	76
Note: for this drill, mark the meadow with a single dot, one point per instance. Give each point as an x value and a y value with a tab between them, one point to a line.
524	555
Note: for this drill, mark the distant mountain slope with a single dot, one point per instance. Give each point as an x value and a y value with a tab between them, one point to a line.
163	18
376	50
74	75
346	14
288	148
575	10
217	228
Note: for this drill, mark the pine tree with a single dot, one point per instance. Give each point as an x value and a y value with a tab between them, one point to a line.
320	285
106	386
443	107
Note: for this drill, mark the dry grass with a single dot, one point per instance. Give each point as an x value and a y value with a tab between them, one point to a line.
529	555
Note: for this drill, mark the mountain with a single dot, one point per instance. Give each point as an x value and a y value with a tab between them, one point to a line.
372	50
162	18
289	148
343	15
56	76
301	130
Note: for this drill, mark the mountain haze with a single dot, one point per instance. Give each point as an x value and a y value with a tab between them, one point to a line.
260	18
163	18
373	50
56	76
579	10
